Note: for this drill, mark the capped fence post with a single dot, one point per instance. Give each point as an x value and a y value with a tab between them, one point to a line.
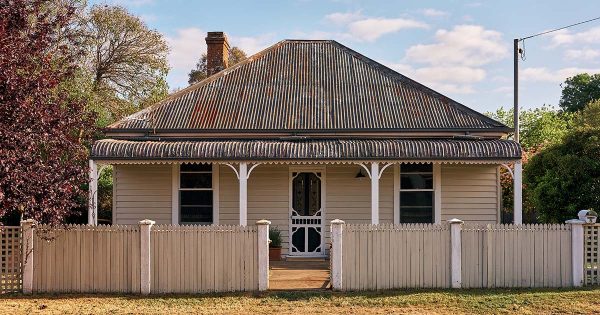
27	254
577	251
145	272
263	254
337	228
456	253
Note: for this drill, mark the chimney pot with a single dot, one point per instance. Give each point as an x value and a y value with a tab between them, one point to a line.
217	52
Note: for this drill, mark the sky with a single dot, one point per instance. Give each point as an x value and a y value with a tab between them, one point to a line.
462	49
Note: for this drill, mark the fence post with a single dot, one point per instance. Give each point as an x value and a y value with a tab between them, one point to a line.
145	272
577	251
337	227
456	253
263	254
27	255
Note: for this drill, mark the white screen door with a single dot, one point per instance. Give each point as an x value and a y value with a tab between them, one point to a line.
306	219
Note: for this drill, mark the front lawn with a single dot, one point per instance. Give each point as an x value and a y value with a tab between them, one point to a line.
585	301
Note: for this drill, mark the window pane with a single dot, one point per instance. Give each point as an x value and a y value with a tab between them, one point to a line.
195	180
196	198
416	168
416	181
416	214
196	214
416	198
306	194
187	167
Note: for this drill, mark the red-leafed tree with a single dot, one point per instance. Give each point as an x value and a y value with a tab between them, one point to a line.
44	129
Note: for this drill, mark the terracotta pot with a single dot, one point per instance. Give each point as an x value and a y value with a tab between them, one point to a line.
274	253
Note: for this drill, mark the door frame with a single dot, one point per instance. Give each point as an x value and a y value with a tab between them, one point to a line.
307	169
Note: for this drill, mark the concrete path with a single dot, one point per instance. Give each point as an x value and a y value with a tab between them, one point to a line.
299	274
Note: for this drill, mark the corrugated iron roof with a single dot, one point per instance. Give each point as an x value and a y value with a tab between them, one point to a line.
356	149
301	85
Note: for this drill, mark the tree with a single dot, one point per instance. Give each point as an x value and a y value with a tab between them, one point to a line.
589	117
538	127
44	130
578	91
565	177
199	73
127	62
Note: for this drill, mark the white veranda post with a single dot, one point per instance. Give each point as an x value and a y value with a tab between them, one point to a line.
243	173
243	177
518	193
93	194
375	193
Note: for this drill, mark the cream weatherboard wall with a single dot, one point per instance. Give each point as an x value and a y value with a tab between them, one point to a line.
469	192
142	192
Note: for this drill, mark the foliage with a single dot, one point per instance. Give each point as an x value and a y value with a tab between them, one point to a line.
538	127
275	237
578	91
126	63
43	128
105	186
589	116
199	73
565	177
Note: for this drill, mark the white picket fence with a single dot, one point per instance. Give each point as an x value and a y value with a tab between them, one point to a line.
374	257
196	259
145	259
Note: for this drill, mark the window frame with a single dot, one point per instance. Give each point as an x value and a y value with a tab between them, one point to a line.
436	189
176	185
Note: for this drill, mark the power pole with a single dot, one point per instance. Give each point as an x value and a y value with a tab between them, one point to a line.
516	90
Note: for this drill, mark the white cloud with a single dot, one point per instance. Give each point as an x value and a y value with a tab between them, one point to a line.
468	45
504	89
340	18
565	37
186	48
543	74
445	79
434	13
454	62
252	44
585	54
358	27
372	28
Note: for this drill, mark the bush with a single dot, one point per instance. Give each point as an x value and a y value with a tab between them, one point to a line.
565	177
275	237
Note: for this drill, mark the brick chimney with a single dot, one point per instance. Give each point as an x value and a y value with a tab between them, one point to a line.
217	52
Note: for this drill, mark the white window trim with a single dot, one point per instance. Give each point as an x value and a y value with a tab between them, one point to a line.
175	176
437	193
175	195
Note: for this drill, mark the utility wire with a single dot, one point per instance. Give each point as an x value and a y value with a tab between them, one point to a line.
558	29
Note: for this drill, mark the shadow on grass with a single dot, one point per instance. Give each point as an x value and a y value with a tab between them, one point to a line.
291	296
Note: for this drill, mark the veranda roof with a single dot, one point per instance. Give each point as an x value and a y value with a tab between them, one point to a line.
331	149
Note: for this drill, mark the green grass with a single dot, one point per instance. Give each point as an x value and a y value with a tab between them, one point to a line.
583	301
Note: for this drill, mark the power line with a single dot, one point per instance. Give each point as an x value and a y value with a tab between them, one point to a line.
558	29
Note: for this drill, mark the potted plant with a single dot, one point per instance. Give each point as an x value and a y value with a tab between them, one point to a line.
274	244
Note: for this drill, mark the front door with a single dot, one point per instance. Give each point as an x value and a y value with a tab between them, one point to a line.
306	219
